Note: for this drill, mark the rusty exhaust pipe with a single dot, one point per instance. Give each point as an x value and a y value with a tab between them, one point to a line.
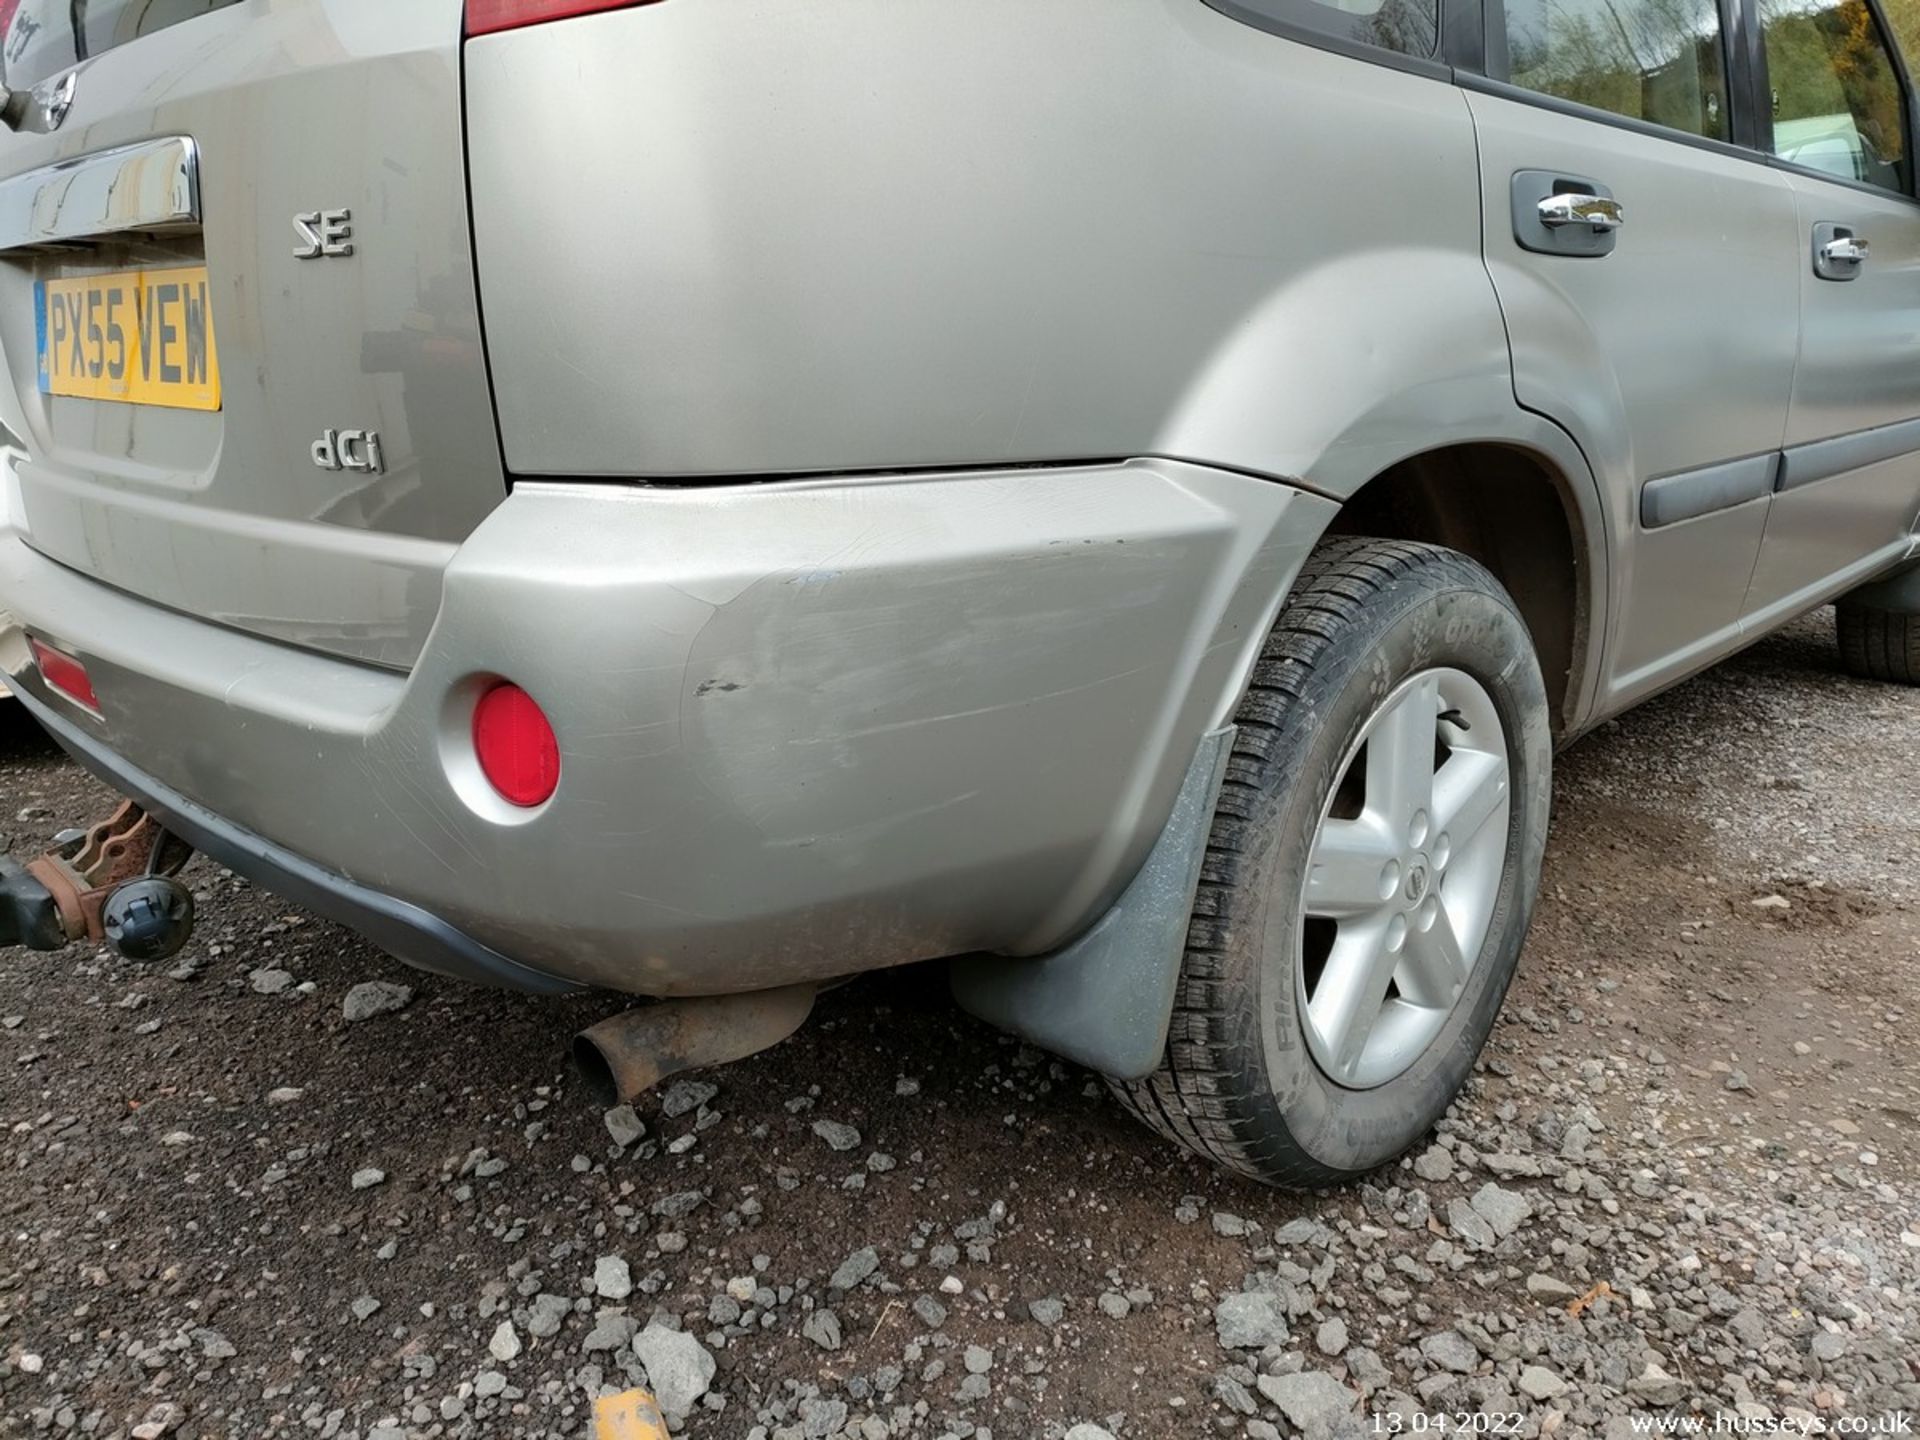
636	1049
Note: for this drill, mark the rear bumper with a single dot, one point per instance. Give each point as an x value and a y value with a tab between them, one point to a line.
807	728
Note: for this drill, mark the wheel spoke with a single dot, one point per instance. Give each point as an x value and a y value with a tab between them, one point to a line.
1432	966
1344	875
1402	881
1400	757
1469	790
1352	987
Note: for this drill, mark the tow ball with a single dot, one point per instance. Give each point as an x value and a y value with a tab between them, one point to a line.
113	881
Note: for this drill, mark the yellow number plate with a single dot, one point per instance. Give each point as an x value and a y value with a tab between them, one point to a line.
142	336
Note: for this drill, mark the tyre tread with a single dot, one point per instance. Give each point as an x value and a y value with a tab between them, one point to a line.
1879	644
1196	1097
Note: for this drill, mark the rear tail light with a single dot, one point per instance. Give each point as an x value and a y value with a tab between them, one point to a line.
486	16
65	674
515	744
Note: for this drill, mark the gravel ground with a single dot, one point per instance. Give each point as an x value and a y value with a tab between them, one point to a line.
1685	1179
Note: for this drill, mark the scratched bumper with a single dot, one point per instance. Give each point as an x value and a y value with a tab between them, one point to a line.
807	728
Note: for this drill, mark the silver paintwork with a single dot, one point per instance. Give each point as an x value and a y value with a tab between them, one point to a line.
45	38
929	247
815	725
807	727
1855	394
147	188
1674	352
350	104
1408	883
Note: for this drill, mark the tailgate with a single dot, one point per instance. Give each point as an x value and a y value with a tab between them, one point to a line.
237	310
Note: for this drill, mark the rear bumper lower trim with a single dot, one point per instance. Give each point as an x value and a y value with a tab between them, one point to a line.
406	931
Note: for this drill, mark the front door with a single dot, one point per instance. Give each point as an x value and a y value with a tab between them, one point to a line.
1648	272
1850	478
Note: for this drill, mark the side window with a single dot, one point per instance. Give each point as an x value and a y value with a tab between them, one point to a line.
1406	27
1656	60
1837	105
1903	16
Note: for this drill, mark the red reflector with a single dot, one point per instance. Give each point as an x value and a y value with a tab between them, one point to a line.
515	744
486	16
65	674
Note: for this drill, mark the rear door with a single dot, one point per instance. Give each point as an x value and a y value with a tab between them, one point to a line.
1647	269
237	309
1840	128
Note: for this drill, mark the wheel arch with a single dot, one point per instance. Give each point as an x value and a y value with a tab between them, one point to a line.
1403	409
1532	517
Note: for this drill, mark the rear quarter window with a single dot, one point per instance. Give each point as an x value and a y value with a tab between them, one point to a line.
1838	106
1903	18
1661	61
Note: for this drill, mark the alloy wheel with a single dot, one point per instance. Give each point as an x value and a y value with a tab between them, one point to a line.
1403	876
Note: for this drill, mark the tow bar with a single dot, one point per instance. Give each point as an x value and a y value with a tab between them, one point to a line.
113	881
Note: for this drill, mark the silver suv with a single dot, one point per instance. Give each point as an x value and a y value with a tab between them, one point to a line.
706	497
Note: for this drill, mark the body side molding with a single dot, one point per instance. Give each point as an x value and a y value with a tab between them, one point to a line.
1669	499
1689	494
1823	459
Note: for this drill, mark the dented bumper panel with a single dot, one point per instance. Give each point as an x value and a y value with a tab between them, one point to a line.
806	728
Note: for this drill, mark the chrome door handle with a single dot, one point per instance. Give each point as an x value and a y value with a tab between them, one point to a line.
1601	212
1555	213
1844	250
1838	253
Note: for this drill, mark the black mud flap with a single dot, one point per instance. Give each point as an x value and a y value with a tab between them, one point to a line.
1105	1000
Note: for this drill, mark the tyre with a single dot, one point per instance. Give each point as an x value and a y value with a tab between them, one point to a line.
1370	873
1878	644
